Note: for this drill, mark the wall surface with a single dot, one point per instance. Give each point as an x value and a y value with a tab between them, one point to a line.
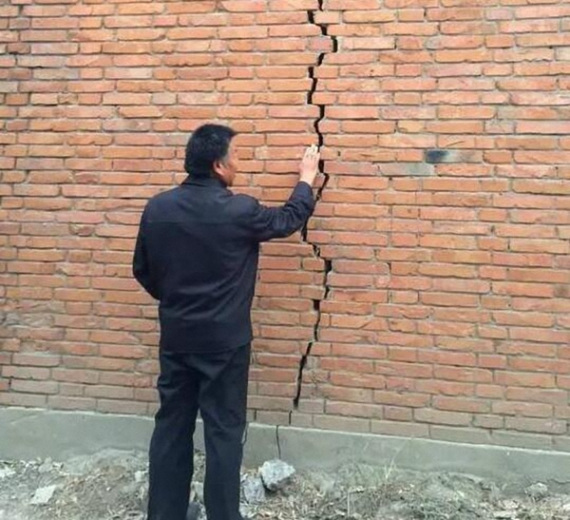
429	297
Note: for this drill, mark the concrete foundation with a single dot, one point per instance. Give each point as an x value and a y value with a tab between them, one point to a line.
32	433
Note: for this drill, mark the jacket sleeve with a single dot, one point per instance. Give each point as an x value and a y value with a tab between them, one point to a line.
264	223
141	266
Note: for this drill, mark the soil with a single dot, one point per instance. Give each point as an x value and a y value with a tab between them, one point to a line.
113	485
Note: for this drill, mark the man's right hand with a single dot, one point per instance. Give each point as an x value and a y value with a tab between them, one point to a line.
310	165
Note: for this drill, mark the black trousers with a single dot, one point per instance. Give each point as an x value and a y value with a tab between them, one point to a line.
217	386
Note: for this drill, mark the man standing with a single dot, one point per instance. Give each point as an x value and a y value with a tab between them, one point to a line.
197	253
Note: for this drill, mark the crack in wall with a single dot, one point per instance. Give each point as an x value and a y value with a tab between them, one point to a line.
328	266
278	441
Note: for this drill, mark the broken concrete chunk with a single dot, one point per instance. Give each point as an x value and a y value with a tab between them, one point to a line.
6	472
276	474
246	512
537	491
197	492
43	495
509	505
46	466
253	490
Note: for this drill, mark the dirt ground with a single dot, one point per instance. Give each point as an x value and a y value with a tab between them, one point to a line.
113	485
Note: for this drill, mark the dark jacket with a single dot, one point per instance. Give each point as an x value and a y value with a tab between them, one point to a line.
197	253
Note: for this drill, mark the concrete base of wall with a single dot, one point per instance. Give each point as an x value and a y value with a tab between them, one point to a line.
31	433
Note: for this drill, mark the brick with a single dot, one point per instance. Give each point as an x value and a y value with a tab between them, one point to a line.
441	417
109	392
342	423
35	387
39	360
552	426
393	398
524	409
354	410
526	379
71	403
17	399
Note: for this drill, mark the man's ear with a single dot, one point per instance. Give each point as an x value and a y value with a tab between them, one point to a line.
218	168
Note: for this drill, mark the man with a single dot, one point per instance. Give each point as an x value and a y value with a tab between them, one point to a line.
197	253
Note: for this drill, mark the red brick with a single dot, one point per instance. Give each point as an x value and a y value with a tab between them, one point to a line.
34	387
536	425
455	404
442	417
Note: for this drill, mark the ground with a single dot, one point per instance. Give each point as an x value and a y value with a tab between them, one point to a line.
113	485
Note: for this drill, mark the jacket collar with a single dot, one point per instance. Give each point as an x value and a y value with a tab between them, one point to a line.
210	182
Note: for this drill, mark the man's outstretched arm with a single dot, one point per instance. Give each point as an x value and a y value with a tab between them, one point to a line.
265	223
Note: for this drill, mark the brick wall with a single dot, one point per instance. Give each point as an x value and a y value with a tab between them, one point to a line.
430	295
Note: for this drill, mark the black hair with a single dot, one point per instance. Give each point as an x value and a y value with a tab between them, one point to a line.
208	144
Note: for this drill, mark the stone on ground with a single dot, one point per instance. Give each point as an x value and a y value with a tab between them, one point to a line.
276	474
253	490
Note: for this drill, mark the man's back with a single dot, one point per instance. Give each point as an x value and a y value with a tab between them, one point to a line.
197	253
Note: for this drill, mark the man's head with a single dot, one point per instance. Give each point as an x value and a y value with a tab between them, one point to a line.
210	152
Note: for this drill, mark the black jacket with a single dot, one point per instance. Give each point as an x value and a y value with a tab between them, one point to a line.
197	253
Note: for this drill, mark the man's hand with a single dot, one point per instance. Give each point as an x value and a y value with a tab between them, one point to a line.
310	165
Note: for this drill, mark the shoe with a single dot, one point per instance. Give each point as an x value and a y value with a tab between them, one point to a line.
193	512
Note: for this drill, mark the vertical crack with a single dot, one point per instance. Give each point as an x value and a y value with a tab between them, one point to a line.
328	266
278	441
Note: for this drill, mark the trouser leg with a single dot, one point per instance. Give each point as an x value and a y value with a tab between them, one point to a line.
223	404
171	448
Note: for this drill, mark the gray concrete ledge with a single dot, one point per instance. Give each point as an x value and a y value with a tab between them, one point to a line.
33	433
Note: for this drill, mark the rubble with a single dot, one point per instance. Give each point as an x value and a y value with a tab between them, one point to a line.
537	491
43	495
197	492
276	474
6	472
253	489
113	486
